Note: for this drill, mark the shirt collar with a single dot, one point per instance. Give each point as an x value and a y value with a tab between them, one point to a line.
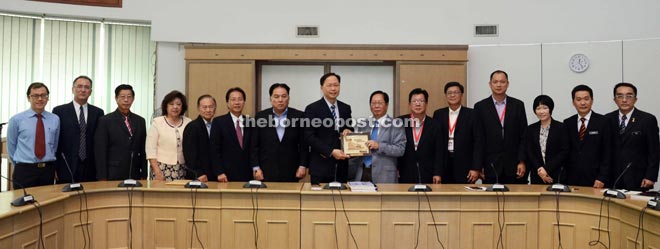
77	106
587	117
286	111
328	102
499	103
234	118
627	115
381	120
454	112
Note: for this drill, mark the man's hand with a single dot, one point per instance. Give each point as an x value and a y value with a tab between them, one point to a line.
646	183
223	178
598	184
203	178
258	174
345	132
437	180
543	174
520	172
373	145
473	176
339	155
301	172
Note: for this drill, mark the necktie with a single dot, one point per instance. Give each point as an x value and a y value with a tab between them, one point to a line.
368	160
40	138
239	133
583	129
334	115
128	125
82	150
622	126
208	129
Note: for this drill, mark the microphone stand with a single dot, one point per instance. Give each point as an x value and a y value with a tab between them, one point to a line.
613	192
23	200
73	186
558	187
335	184
419	187
497	187
130	182
195	183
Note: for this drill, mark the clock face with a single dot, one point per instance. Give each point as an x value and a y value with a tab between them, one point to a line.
578	63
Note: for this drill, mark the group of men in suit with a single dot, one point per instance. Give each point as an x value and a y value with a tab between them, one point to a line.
457	145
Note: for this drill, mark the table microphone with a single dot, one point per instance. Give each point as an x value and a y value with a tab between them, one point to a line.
613	192
419	187
73	186
23	200
653	203
497	186
130	182
195	183
558	187
333	185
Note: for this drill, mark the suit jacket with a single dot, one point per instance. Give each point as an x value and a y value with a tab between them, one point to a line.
391	145
637	145
322	140
114	147
468	144
556	151
279	160
502	146
228	156
69	134
589	160
429	153
197	150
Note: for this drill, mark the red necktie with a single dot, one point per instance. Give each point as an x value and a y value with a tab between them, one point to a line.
40	139
128	125
583	129
239	133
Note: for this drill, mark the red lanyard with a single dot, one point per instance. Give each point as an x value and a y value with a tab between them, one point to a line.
502	116
421	128
452	127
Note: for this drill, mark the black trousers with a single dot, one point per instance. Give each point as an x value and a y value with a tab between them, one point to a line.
31	175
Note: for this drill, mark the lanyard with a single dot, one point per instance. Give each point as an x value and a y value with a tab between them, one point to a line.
417	136
502	116
452	127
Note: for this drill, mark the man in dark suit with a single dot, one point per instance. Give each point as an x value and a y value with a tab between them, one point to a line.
424	150
503	120
635	141
119	141
78	120
461	138
279	152
230	139
590	142
326	156
197	141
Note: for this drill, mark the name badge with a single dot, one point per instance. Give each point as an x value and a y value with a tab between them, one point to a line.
593	133
450	144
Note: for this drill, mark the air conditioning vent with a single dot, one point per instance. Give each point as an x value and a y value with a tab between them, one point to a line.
486	30
307	31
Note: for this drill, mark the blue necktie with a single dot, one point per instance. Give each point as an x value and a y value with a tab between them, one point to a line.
622	127
368	160
334	115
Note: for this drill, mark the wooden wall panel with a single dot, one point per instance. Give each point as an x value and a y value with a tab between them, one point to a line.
429	76
215	78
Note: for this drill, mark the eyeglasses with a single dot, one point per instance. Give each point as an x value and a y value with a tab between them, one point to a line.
39	96
418	102
627	96
83	87
454	93
377	103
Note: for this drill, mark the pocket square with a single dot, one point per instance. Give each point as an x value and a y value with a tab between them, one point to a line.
593	133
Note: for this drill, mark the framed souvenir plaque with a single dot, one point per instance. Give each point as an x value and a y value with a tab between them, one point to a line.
355	144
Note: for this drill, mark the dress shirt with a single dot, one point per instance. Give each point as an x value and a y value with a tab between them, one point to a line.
627	117
233	120
336	111
279	127
77	108
586	121
500	106
21	136
453	116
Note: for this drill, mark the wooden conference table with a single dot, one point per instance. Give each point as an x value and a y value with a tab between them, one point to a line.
292	215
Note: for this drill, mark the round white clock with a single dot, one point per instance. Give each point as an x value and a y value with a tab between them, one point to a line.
578	63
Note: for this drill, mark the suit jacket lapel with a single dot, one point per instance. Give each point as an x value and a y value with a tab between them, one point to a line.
492	109
425	132
634	118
